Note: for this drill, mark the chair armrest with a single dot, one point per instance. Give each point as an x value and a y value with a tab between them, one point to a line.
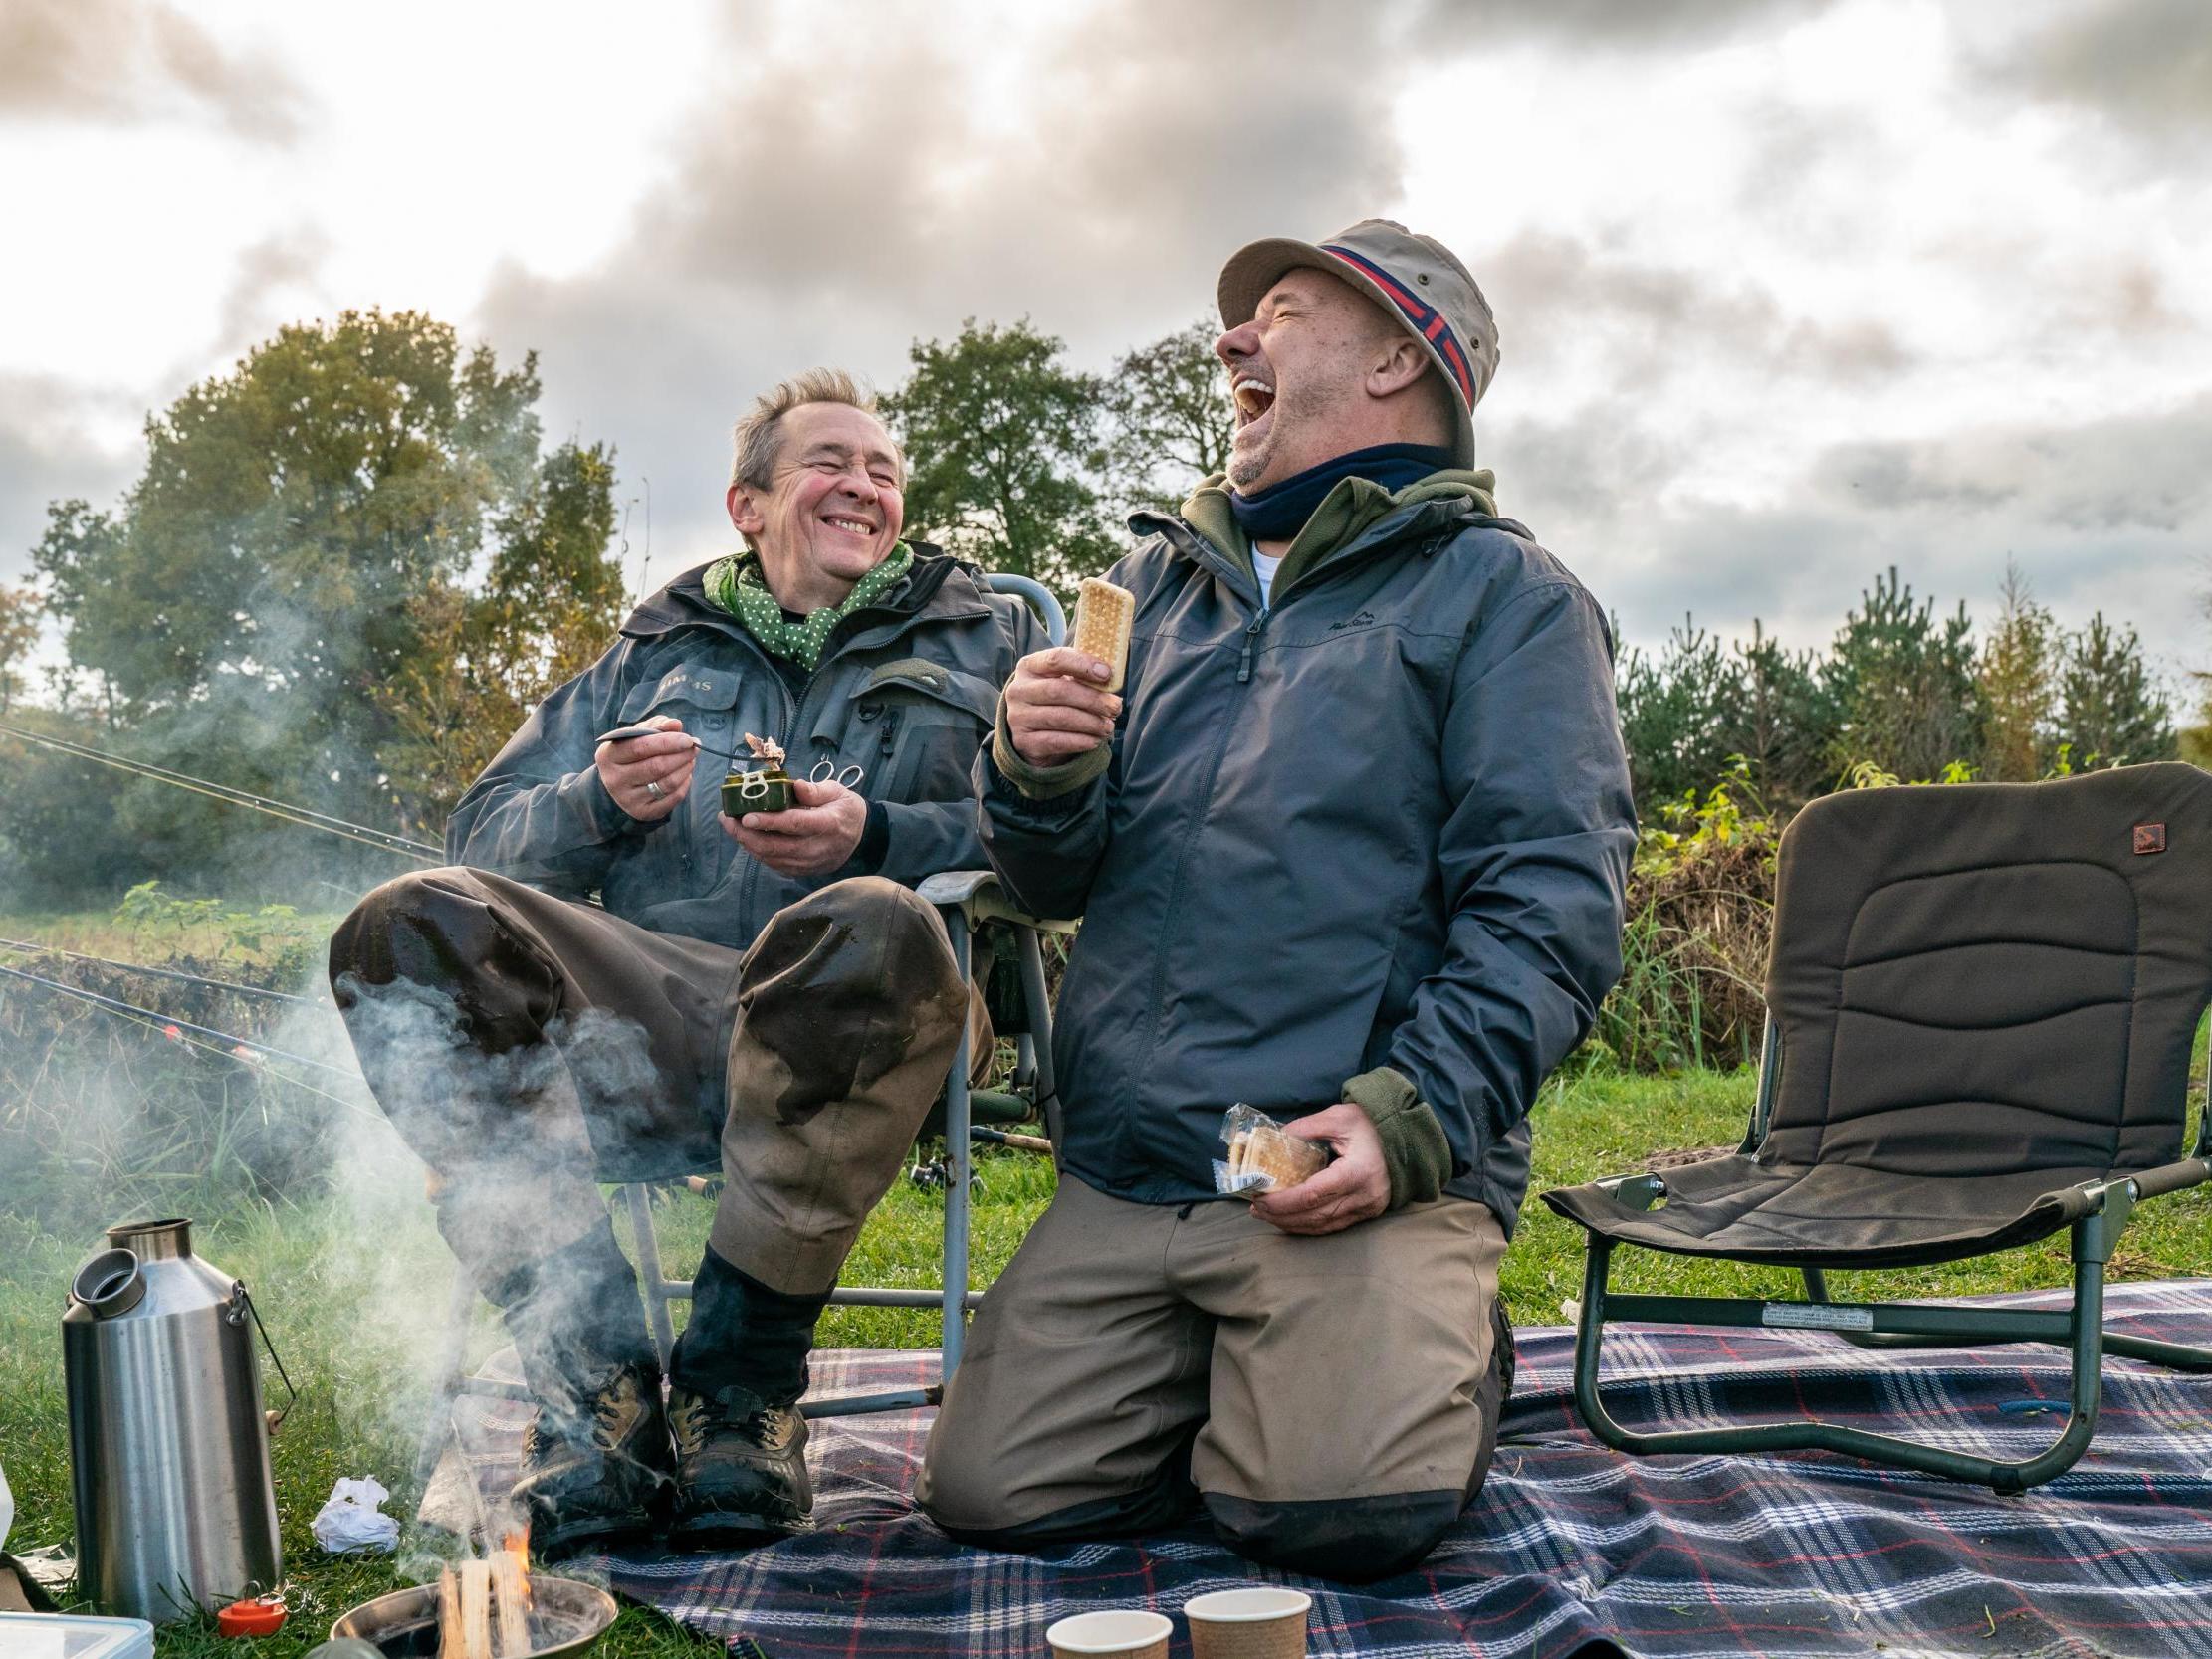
955	887
1636	1191
2169	1177
981	898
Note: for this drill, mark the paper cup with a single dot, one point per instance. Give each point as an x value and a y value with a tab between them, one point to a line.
1258	1623
1121	1633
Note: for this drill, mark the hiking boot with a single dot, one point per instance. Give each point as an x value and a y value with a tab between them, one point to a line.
741	1468
598	1467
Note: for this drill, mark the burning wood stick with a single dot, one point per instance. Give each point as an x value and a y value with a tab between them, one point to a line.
510	1604
476	1609
449	1615
484	1605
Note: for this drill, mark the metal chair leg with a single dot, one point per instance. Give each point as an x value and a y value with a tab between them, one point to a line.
658	1288
958	1154
2092	1243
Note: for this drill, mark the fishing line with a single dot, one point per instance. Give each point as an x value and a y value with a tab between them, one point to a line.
184	1027
25	947
382	840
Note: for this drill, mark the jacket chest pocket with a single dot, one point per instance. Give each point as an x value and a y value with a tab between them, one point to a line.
915	726
690	846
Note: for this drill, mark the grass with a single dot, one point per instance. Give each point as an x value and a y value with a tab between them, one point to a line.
354	1288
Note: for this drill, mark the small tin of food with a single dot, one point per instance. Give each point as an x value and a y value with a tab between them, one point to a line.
762	791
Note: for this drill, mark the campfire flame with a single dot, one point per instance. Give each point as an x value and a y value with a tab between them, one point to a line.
517	1545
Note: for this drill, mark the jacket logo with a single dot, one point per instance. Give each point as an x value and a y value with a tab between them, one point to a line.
2150	838
1358	619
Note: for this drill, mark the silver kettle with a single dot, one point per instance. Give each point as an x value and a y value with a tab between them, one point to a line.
176	1509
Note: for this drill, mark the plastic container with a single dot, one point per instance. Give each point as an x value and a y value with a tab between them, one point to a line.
66	1636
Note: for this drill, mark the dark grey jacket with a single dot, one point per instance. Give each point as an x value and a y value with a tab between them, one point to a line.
1385	822
905	690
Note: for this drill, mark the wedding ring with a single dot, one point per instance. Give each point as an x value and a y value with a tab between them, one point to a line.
654	790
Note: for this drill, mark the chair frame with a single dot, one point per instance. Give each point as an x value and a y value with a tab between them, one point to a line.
966	900
2104	1207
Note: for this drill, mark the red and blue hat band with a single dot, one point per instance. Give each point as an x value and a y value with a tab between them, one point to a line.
1425	321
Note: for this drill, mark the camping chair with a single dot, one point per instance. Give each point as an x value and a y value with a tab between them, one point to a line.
1982	1001
971	902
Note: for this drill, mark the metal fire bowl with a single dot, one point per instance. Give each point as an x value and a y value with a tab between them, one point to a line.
565	1617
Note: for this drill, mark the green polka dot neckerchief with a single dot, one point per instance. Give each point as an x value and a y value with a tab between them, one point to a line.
734	584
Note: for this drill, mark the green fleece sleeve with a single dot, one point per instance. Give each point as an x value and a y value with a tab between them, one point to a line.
1044	783
1414	1150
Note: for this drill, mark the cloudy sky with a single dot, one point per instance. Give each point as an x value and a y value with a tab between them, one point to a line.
1789	291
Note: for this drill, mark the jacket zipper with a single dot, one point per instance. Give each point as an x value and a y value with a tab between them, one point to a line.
1251	633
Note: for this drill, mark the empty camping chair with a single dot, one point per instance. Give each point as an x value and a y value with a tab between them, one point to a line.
1981	1005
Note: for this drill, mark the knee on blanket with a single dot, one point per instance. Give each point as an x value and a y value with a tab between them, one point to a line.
1352	1539
959	1515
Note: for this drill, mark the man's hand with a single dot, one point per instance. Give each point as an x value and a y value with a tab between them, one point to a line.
814	838
649	777
1355	1188
1056	708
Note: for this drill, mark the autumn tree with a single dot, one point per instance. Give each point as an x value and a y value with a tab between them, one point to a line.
2018	673
285	576
547	609
18	631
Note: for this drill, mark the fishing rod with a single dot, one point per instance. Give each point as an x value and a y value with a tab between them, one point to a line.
382	840
26	948
184	1029
175	1034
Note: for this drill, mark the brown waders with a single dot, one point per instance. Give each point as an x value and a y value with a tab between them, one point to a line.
1333	1402
528	1048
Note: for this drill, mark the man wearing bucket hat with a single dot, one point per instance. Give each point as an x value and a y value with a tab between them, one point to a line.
1349	847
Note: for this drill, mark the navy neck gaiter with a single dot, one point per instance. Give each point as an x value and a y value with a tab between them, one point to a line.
1280	511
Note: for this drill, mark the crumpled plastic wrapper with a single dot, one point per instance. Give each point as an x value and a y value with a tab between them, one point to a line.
349	1520
1262	1158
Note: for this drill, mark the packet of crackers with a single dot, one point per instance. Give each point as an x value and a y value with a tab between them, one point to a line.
1262	1158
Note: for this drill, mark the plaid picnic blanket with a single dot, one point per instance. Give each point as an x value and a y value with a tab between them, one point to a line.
1572	1550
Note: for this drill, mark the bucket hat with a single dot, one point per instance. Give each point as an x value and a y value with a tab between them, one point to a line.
1416	278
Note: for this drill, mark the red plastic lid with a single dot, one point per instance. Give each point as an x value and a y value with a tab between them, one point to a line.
262	1616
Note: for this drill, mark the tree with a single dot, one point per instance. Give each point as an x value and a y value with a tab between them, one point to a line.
2018	671
1783	721
258	584
1672	708
1169	420
343	573
2111	711
1688	715
548	606
1905	685
1008	444
18	631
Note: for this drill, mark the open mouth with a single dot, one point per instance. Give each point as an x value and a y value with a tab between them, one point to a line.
1255	397
851	527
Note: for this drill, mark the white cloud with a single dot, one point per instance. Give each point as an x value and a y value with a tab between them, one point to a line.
1744	252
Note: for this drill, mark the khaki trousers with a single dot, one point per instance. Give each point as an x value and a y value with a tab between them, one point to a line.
528	1048
1333	1402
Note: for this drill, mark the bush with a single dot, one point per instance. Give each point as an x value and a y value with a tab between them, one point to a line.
1701	919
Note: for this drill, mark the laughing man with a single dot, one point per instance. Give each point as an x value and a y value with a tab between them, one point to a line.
1349	847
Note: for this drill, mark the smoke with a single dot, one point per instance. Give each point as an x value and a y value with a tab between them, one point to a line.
509	1138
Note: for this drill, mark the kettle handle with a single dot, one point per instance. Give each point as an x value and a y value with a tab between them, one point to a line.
242	1304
